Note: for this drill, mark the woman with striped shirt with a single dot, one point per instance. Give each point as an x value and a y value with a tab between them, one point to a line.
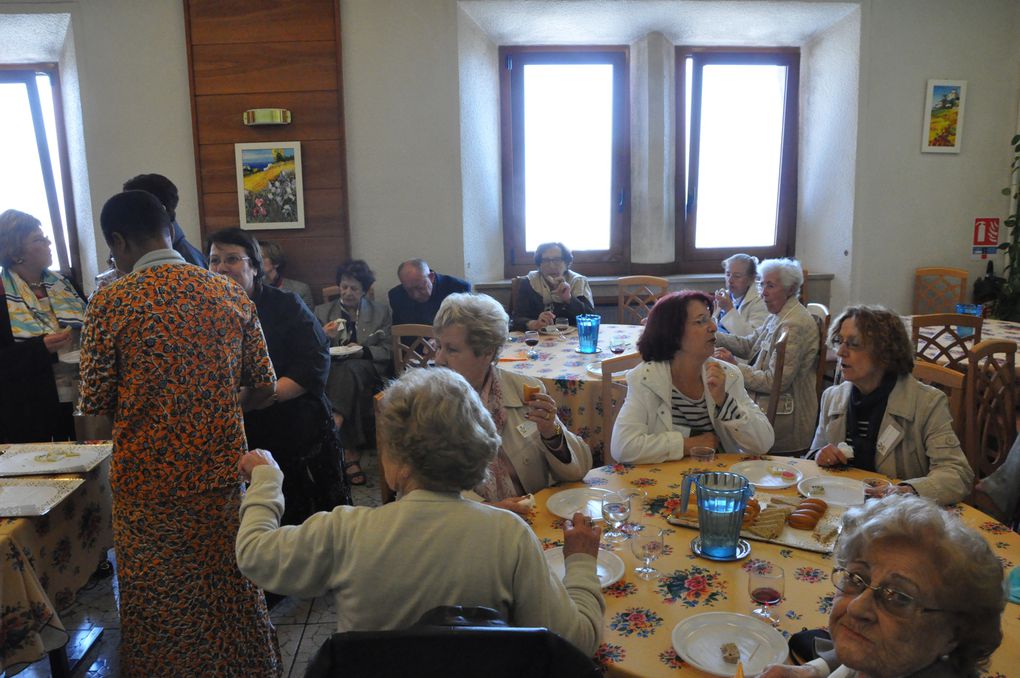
680	396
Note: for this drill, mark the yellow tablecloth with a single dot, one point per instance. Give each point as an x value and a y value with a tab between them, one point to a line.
640	616
44	562
565	374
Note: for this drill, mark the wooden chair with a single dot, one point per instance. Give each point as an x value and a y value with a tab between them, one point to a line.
990	412
613	394
820	312
939	290
950	382
386	493
329	293
945	341
779	348
515	287
417	352
636	294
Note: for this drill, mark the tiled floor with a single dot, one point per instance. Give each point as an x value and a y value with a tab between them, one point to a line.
302	625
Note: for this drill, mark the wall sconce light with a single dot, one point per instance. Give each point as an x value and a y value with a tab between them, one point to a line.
266	116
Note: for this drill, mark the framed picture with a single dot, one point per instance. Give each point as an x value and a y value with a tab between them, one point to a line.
943	116
269	190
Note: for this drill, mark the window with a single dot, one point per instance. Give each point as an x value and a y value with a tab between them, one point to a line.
566	154
736	154
33	176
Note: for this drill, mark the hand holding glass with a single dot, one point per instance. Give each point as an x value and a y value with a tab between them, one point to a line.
646	544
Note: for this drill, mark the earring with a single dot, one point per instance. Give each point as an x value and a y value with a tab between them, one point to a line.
19	260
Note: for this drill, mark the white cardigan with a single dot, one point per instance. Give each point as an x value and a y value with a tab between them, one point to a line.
644	433
743	321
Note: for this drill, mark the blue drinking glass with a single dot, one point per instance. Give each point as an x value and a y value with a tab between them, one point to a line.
588	333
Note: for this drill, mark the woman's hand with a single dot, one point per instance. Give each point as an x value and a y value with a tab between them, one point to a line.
560	290
515	504
581	536
542	411
788	671
830	456
723	301
724	355
253	458
715	379
545	318
334	327
702	440
57	340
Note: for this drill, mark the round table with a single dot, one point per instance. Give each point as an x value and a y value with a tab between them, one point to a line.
640	615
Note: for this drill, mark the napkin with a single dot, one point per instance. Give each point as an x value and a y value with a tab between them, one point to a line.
1014	585
847	451
513	357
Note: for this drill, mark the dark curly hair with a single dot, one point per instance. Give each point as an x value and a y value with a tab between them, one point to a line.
883	334
236	236
357	269
664	329
568	256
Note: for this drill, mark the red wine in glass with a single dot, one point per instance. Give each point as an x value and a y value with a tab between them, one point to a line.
766	595
531	342
617	348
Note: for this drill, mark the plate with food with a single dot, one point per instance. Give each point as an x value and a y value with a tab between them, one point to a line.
715	642
344	351
587	500
557	330
834	490
609	567
595	368
32	459
767	474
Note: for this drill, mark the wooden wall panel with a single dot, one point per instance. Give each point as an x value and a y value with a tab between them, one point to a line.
269	22
288	67
322	207
318	161
315	116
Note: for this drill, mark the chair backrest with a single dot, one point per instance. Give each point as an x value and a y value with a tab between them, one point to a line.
779	349
515	288
636	294
820	312
939	289
416	352
950	382
386	493
613	394
329	293
990	413
943	341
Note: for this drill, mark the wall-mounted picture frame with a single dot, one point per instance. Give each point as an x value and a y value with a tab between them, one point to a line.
270	193
943	116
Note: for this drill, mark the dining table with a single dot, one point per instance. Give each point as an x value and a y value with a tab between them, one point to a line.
571	377
990	329
641	616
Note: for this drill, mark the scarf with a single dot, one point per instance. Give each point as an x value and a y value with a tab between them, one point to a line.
869	408
34	317
578	287
500	481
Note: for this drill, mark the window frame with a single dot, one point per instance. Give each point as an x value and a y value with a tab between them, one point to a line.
26	74
692	259
517	259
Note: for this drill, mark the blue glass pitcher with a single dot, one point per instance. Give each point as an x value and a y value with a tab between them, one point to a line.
722	498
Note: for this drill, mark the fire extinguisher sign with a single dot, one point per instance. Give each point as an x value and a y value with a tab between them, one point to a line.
986	238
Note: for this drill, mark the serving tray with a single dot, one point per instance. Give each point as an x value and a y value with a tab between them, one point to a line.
26	497
40	459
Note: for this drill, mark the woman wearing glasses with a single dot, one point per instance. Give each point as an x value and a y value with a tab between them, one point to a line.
918	593
888	421
553	291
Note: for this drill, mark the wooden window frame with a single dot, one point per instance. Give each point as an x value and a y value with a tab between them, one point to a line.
517	259
707	260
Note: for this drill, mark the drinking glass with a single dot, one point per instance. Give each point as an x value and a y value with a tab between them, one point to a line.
531	339
562	324
646	544
765	584
617	345
616	512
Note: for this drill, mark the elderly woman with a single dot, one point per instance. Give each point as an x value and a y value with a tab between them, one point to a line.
553	291
296	424
470	330
37	309
797	411
274	262
918	593
387	566
362	327
893	423
680	397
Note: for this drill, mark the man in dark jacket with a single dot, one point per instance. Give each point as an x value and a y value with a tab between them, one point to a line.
166	191
420	292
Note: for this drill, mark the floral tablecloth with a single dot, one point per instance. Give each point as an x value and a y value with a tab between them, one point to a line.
44	562
564	372
640	616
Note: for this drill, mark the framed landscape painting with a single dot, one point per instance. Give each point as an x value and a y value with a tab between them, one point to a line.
943	116
270	194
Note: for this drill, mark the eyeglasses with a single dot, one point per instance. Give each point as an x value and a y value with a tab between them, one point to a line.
229	260
552	260
894	602
852	343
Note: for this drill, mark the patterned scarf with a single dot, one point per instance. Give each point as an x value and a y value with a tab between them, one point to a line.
33	317
501	479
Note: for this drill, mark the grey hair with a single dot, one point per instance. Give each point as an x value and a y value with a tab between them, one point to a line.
15	226
418	263
484	320
791	273
433	421
971	575
750	262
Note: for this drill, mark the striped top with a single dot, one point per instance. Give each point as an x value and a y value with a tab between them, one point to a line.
693	414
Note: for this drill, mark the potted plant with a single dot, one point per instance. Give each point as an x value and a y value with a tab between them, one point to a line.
1007	303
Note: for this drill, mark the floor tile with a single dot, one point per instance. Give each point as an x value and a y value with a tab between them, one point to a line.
323	610
289	636
291	611
315	635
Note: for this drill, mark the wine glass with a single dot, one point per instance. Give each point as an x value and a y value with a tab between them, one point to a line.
562	324
765	584
617	345
646	544
531	339
616	512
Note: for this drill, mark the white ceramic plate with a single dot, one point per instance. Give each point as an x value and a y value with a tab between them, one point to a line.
34	497
609	567
587	500
341	351
768	475
552	329
833	490
595	368
697	640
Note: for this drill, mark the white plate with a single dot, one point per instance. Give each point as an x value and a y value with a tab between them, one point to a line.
609	567
33	459
341	351
595	368
72	357
587	500
551	329
697	640
34	497
768	475
835	490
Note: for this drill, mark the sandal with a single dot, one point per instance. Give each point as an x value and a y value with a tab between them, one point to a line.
356	477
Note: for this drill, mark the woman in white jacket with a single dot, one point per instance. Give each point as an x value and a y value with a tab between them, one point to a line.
680	397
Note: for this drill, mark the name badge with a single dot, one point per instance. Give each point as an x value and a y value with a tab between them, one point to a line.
527	429
887	439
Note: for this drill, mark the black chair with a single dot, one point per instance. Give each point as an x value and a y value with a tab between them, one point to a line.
451	641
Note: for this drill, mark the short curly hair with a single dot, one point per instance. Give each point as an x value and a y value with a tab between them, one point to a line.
883	334
434	422
15	226
664	329
568	256
357	269
483	318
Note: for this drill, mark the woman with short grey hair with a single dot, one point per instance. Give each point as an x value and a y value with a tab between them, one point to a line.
387	566
788	271
537	450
